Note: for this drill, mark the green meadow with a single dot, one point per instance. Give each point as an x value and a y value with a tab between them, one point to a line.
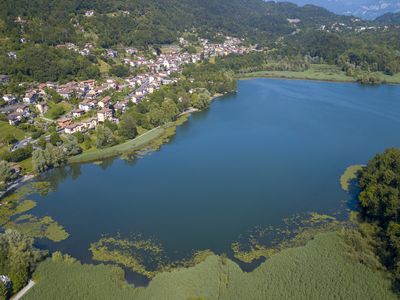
321	72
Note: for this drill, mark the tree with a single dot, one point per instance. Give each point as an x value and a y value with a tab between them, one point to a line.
55	139
10	139
4	291
127	126
7	174
18	155
18	257
42	143
80	137
170	110
119	71
51	157
105	137
379	202
71	146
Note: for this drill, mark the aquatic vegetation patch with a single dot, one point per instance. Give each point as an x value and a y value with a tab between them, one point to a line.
144	256
24	206
349	175
15	204
131	253
296	231
36	227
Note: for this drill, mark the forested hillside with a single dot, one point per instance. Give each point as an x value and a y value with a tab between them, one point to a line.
35	29
390	18
141	22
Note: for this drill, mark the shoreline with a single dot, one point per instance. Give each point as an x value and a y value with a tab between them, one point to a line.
275	77
16	184
118	150
133	150
292	75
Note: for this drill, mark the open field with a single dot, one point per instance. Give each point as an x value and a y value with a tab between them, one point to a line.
6	129
315	72
129	146
103	66
323	269
51	113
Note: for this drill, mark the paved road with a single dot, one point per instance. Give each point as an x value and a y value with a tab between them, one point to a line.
22	292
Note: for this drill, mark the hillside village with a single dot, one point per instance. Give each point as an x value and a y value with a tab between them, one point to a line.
93	108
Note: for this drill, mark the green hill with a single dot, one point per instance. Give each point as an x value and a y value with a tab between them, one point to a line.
143	22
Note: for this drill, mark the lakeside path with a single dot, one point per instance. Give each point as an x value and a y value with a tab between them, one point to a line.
131	145
134	144
22	292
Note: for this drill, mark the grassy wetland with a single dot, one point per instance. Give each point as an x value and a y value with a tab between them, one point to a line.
325	268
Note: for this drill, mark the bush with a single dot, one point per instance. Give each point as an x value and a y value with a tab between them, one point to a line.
18	155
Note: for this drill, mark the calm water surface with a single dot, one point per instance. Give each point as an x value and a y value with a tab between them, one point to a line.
274	149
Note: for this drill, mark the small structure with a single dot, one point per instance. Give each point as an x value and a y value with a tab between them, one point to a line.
42	107
30	97
4	79
14	119
12	55
78	113
89	13
10	99
6	281
64	122
23	109
87	105
294	21
121	106
131	51
111	53
105	102
104	114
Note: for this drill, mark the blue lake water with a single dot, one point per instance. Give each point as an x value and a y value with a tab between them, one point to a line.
273	149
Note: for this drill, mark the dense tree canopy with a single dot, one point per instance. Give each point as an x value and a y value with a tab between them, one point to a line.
18	258
380	204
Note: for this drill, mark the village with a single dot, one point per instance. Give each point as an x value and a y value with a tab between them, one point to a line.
93	108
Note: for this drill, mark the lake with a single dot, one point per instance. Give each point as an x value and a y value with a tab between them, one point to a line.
274	149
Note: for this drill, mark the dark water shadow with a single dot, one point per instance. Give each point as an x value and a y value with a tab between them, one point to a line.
354	192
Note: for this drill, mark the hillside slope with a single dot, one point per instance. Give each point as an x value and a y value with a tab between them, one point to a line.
141	22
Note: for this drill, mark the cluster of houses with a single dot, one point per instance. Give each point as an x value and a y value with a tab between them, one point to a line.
93	108
18	110
85	51
160	68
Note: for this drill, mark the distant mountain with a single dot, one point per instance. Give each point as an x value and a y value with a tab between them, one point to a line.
390	18
366	9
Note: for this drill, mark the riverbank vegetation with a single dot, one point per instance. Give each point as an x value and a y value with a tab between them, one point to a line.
271	64
380	208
